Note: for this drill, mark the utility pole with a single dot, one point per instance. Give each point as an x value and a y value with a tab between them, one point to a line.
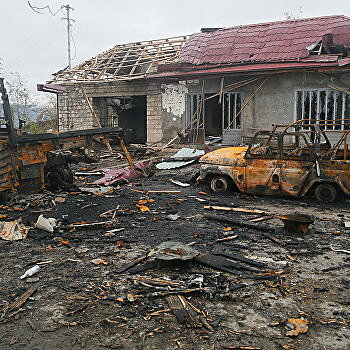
69	25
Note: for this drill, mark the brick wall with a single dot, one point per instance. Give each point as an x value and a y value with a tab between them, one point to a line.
74	112
154	118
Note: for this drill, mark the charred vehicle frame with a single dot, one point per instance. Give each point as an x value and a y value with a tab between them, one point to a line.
29	162
289	160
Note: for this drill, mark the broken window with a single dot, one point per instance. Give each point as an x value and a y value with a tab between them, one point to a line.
325	106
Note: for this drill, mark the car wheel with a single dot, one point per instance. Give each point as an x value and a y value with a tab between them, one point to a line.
219	184
326	193
66	174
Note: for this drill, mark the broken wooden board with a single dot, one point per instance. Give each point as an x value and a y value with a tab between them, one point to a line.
130	264
263	218
223	264
22	299
238	210
156	281
241	259
239	222
186	313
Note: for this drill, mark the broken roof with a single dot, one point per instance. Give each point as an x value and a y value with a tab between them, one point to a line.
291	44
124	62
288	40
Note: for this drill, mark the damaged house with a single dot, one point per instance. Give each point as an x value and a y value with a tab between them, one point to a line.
219	84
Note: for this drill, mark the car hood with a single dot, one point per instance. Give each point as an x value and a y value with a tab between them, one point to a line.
225	156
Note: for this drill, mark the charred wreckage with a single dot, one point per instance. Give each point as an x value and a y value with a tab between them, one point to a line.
29	162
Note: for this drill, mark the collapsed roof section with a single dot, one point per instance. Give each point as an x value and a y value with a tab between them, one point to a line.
124	62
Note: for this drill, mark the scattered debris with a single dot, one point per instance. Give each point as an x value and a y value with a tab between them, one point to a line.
173	217
296	223
30	272
296	326
124	174
98	190
238	222
186	313
173	250
22	299
13	230
238	210
154	191
179	183
183	157
229	238
100	262
340	250
45	224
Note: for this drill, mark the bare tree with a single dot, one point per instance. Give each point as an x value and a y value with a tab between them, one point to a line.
293	14
19	97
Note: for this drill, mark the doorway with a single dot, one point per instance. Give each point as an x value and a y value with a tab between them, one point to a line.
127	112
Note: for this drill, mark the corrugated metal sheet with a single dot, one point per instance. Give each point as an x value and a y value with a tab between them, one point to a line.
182	153
265	42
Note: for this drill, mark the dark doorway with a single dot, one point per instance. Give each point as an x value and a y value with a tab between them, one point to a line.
213	116
127	112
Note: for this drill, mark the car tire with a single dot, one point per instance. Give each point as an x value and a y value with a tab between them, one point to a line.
326	193
218	184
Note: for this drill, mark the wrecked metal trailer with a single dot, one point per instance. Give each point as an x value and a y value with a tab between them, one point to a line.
289	160
29	162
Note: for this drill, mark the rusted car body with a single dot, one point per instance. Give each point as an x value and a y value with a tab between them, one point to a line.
288	160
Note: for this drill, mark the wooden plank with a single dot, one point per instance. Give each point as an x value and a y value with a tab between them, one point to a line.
238	210
264	218
130	264
22	299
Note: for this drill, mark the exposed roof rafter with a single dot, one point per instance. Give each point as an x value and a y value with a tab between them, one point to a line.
124	62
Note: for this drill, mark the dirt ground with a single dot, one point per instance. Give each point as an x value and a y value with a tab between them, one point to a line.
82	305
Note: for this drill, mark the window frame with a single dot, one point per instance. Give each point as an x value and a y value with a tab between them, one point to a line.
318	111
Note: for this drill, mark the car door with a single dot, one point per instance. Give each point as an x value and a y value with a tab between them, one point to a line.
262	164
297	164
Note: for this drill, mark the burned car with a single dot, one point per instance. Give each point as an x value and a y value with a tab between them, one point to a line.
292	160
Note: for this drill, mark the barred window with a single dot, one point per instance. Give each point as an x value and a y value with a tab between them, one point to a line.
324	106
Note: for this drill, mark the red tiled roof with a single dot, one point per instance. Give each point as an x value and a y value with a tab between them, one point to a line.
265	42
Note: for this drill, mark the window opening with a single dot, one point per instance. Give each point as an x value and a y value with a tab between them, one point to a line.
324	106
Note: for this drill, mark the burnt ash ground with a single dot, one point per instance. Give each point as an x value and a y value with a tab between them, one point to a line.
70	309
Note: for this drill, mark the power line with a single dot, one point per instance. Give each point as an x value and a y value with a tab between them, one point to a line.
36	8
69	20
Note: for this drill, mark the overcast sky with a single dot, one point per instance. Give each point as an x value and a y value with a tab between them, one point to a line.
35	45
